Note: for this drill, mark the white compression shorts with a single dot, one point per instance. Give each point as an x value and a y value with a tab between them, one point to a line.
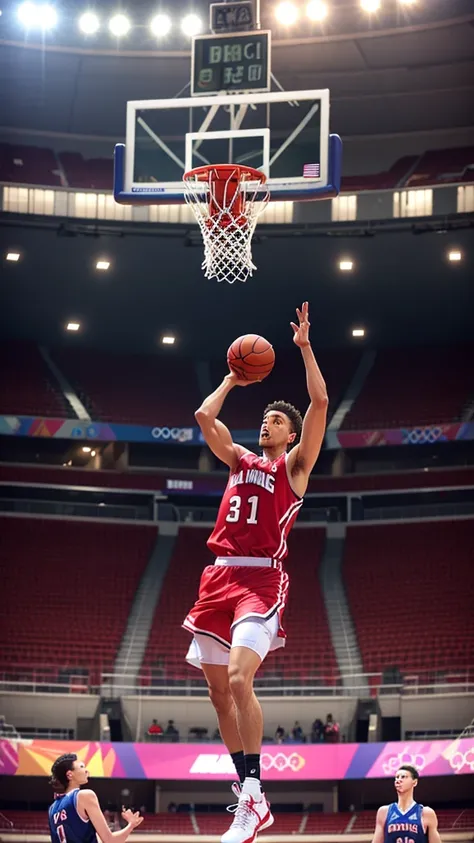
255	633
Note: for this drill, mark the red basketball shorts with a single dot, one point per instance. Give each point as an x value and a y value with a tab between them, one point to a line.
231	593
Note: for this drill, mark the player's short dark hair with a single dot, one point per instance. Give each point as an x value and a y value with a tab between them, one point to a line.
289	410
59	780
412	770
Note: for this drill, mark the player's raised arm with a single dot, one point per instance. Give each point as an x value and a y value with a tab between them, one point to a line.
87	801
431	824
216	434
303	457
379	832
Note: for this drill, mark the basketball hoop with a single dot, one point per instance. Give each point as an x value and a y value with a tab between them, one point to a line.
227	200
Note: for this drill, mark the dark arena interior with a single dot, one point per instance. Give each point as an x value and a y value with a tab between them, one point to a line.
356	197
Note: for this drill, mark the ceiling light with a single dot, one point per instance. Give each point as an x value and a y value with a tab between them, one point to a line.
286	13
12	256
37	15
73	326
167	340
455	255
89	23
191	25
317	10
102	265
358	332
93	453
370	5
160	25
86	449
119	25
346	265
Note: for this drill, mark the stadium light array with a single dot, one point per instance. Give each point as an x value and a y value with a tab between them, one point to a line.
358	332
103	265
37	15
317	10
286	13
191	25
370	5
168	340
89	23
73	326
455	256
346	265
14	257
119	25
160	25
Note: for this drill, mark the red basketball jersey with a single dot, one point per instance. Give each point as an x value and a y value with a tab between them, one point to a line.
257	511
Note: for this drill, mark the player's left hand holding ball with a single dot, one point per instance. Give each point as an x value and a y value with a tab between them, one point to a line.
301	331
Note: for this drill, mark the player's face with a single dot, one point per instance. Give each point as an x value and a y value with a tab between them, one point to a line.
80	775
275	431
404	782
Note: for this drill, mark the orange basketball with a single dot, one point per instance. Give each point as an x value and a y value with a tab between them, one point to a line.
251	357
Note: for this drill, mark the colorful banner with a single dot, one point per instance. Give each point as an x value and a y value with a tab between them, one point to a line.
210	762
102	431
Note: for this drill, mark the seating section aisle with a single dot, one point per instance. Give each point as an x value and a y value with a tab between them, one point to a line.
75	581
392	397
27	386
135	389
410	591
308	651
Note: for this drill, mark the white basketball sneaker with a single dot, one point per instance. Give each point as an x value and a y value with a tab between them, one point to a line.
251	816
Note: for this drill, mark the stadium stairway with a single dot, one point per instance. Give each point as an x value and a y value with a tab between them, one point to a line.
353	390
69	395
341	626
135	639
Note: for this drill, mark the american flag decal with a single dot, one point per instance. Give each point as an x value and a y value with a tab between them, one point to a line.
311	171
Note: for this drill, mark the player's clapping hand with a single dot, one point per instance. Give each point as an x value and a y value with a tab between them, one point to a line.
301	331
133	818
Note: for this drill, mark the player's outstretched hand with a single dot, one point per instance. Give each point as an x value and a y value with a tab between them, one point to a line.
236	381
133	818
301	331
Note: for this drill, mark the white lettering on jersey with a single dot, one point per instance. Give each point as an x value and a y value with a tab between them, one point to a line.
255	477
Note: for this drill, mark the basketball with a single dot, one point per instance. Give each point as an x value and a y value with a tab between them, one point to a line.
251	357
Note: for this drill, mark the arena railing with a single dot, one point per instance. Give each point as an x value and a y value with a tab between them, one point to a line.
42	680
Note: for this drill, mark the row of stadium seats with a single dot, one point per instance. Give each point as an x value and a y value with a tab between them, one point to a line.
408	587
285	823
140	389
42	166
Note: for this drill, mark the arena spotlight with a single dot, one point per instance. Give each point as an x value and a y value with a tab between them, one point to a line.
168	340
455	256
346	265
358	332
160	25
119	25
89	23
73	326
191	25
103	265
14	257
286	13
86	449
37	15
317	10
370	5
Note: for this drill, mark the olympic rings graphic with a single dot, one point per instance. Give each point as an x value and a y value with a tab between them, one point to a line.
281	762
394	762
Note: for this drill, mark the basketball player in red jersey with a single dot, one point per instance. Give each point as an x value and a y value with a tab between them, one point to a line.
237	618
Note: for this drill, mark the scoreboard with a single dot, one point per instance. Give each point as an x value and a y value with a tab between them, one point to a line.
233	62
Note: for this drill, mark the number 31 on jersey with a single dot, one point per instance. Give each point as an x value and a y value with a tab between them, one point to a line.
235	509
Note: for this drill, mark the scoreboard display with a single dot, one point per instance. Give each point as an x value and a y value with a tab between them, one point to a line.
233	62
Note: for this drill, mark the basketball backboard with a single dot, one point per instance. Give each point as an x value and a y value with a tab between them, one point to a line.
283	134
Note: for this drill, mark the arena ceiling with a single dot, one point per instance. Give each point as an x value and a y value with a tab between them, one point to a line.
389	76
403	290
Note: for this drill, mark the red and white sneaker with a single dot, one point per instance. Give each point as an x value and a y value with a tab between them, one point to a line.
251	816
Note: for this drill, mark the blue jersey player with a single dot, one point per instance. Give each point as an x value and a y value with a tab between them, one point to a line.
75	815
406	821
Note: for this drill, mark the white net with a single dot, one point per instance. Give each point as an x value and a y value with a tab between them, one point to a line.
227	201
